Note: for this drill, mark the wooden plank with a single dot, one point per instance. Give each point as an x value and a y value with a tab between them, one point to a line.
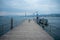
27	31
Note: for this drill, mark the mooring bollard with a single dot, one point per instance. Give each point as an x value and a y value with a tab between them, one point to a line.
11	23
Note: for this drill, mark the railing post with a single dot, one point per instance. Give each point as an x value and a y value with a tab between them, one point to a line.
2	30
11	23
50	28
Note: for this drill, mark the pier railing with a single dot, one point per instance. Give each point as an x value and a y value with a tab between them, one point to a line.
4	28
53	30
10	25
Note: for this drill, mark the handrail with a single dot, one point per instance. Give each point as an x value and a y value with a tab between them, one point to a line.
51	30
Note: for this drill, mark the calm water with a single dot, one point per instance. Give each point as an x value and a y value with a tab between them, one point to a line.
5	23
54	27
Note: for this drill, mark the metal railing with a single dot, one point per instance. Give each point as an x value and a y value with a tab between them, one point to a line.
51	29
8	26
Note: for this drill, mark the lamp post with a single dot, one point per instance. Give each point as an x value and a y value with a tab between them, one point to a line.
37	17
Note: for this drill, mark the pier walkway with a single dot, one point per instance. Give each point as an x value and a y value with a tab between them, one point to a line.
27	31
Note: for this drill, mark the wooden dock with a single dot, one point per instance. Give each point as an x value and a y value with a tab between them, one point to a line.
27	31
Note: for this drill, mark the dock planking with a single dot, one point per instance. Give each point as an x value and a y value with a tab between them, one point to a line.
28	30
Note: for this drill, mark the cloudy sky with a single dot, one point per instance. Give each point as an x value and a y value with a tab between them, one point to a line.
18	7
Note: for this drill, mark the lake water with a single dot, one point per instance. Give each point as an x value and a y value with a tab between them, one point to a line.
54	27
5	23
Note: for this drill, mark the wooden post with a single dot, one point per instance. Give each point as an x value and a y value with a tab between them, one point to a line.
11	23
50	28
